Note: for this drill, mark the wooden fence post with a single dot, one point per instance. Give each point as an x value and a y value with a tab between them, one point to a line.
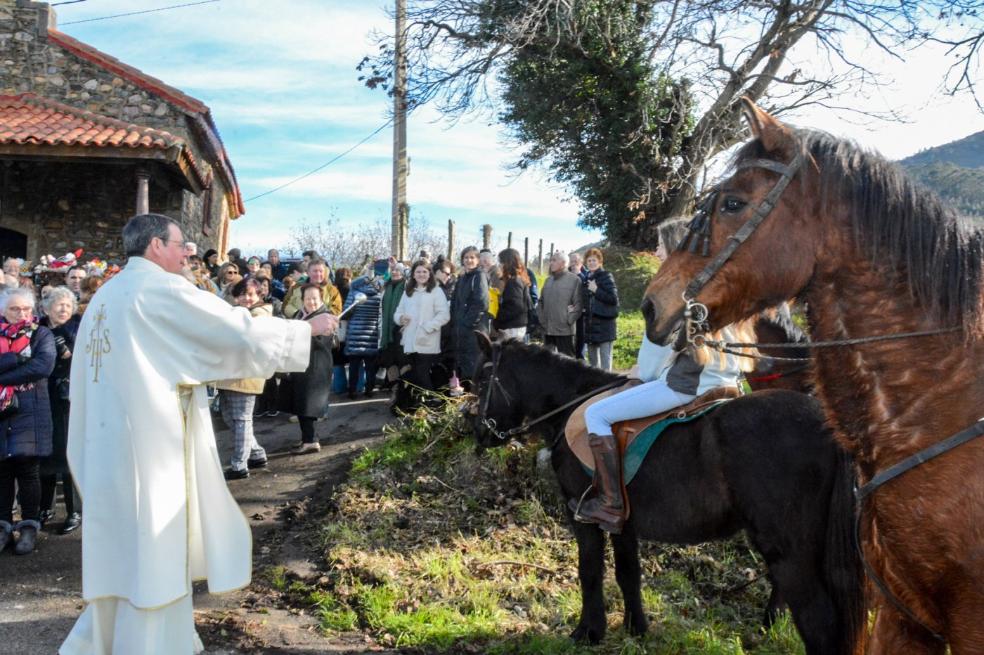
450	240
486	236
526	252
540	258
509	240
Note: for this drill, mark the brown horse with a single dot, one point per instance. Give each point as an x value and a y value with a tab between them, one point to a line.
871	254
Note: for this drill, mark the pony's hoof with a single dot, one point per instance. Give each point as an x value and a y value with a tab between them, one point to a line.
636	624
585	634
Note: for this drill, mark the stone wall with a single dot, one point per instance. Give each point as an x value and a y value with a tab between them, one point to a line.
30	62
65	206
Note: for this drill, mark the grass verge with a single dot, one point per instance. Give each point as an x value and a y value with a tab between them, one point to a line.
435	548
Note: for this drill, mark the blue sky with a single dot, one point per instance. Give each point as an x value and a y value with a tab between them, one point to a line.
280	79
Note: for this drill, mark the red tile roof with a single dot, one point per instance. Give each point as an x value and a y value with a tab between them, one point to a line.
30	120
198	110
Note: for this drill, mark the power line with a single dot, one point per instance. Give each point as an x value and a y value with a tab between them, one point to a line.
325	165
135	13
67	2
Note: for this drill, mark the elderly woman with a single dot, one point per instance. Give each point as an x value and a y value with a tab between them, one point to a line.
60	308
27	358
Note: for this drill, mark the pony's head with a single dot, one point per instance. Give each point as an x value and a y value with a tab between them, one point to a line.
772	264
497	406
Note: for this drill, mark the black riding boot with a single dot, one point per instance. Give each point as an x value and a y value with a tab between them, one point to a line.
605	507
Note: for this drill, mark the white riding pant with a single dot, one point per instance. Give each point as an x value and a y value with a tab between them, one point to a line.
638	402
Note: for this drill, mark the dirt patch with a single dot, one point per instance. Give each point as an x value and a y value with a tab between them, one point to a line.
40	603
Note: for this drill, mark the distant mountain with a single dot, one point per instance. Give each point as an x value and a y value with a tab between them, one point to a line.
955	171
967	152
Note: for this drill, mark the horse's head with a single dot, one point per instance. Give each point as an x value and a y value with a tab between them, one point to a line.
772	263
497	407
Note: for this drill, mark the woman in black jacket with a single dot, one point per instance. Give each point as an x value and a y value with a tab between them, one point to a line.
514	300
309	392
60	317
600	298
468	307
27	357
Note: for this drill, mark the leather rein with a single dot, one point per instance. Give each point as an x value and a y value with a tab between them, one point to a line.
696	325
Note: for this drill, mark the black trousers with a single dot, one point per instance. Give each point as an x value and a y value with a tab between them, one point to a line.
48	483
307	428
580	347
563	342
27	473
355	364
420	369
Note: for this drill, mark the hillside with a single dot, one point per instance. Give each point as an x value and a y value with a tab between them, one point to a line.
955	171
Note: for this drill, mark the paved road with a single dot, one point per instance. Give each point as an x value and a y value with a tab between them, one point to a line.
40	595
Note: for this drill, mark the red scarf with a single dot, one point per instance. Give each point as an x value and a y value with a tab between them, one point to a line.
15	338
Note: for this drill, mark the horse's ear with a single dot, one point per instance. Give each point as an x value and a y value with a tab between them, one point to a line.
484	343
764	126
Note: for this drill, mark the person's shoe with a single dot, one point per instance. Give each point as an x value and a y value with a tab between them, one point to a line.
6	535
351	395
46	516
292	418
607	508
233	474
256	463
272	413
72	523
28	537
306	448
369	393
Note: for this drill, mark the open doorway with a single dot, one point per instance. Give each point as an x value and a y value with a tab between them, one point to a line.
12	244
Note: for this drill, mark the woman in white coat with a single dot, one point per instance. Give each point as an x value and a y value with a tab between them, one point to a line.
422	311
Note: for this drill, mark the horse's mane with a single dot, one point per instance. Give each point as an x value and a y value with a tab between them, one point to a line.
901	224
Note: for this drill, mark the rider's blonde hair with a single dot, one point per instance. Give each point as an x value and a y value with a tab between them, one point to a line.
742	331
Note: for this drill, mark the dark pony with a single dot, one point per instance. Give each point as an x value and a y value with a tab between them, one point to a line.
763	463
873	255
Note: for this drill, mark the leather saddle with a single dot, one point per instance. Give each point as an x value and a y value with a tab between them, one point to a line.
576	431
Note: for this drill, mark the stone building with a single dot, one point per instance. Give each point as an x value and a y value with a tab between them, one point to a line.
86	141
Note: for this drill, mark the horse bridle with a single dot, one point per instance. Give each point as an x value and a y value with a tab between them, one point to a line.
696	317
699	237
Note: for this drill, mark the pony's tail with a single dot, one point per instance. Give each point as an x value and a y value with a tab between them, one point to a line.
843	572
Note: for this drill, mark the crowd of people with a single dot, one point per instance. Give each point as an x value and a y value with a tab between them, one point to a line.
407	324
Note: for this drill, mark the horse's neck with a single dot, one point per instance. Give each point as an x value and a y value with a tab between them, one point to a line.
889	399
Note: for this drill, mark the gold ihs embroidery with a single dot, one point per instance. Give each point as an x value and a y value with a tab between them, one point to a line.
98	343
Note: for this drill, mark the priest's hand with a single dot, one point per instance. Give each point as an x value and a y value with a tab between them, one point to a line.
323	325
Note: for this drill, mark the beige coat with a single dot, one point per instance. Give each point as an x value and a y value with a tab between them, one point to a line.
557	295
427	311
158	512
248	385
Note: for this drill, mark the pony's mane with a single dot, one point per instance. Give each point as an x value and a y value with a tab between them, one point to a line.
544	359
782	320
901	224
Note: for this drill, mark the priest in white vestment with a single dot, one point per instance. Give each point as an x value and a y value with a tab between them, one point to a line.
158	514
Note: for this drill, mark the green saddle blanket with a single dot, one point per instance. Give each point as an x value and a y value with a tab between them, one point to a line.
639	447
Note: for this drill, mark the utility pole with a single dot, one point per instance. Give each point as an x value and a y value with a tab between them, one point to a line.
450	240
400	214
486	236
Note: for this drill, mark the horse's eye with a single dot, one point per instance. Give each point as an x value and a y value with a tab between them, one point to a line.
732	205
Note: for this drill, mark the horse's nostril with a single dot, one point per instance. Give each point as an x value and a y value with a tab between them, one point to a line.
648	311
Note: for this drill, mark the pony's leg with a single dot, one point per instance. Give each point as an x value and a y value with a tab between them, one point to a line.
812	609
775	607
591	573
895	633
628	573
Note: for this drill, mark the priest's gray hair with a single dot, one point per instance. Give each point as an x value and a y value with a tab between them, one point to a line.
55	294
8	294
140	230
